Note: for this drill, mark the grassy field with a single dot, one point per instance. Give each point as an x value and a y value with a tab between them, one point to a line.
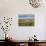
27	22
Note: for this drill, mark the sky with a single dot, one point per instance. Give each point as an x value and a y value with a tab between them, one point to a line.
26	16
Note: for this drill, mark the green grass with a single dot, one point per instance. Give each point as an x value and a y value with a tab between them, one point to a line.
26	23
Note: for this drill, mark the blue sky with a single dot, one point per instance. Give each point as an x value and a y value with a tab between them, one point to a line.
26	16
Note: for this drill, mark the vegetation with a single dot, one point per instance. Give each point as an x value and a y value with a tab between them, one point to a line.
26	22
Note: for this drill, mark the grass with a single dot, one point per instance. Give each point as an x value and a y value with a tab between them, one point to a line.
26	22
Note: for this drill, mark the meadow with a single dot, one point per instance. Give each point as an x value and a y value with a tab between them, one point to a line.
26	22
